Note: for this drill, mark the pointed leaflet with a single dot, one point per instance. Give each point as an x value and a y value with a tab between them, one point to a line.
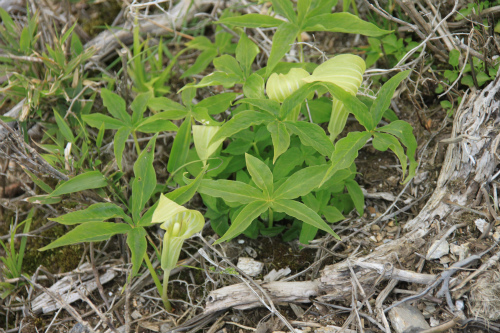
252	21
136	241
166	104
228	65
301	183
89	232
384	96
311	135
343	22
260	173
183	194
404	132
144	182
357	195
268	105
283	38
119	141
249	213
284	8
217	103
115	105
85	181
180	147
382	142
241	121
95	213
64	128
96	120
302	213
280	137
246	51
230	191
139	105
346	151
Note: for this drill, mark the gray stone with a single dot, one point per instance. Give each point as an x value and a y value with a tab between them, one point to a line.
438	249
406	318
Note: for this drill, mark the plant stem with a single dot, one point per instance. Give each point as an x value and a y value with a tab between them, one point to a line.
136	143
256	149
270	222
153	274
301	48
164	296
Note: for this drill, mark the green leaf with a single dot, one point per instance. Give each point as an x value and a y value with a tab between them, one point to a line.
155	125
382	142
281	86
302	213
307	233
454	56
246	51
260	173
311	135
343	22
119	141
285	8
228	65
180	147
332	214
115	105
302	182
84	181
319	7
254	86
356	195
268	105
89	232
136	241
139	105
404	132
280	137
201	115
185	193
384	96
249	213
144	182
95	213
24	40
218	78
283	38
302	9
252	21
96	120
64	127
241	121
230	191
40	183
166	104
346	151
287	162
202	62
218	103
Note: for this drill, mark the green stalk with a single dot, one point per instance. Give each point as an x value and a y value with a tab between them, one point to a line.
270	222
153	274
164	296
256	149
301	48
136	143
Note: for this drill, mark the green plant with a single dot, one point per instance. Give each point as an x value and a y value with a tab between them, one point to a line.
13	260
309	16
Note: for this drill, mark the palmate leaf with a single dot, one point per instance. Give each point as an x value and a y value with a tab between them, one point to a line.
249	213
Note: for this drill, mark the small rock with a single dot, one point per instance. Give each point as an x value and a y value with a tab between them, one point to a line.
392	230
445	260
420	177
496	234
375	227
166	327
462	251
379	238
79	328
438	249
459	304
373	239
405	318
429	309
250	266
136	315
434	322
390	224
481	224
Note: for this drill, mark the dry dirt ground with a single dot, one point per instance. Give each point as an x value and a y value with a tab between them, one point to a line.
386	257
